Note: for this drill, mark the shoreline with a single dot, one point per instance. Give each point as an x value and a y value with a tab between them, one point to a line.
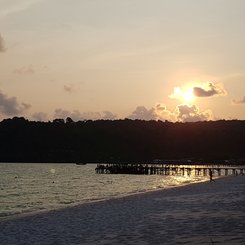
77	205
192	214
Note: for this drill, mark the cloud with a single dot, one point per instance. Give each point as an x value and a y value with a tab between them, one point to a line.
206	90
77	115
191	113
68	88
60	113
24	70
158	112
143	114
107	115
163	113
40	116
182	113
2	45
240	101
10	106
25	106
209	90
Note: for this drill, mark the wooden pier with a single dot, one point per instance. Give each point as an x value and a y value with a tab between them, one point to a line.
170	169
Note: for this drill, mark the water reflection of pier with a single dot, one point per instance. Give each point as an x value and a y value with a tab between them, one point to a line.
169	169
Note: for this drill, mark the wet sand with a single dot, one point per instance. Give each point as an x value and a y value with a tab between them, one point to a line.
203	213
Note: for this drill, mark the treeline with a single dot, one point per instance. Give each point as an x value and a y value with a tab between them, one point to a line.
119	140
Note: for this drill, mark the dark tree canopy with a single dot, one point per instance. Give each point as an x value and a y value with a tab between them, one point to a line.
119	140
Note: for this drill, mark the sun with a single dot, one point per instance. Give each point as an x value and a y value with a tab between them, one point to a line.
183	95
188	95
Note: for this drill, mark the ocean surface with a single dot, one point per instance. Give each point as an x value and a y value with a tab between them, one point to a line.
30	188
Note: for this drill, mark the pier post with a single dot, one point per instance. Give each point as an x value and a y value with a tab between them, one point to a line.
219	172
183	171
204	172
167	169
226	171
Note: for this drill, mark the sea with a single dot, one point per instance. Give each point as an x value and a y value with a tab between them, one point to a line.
27	188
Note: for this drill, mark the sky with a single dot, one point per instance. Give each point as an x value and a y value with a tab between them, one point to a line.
175	60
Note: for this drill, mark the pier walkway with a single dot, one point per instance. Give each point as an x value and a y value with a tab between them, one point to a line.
170	169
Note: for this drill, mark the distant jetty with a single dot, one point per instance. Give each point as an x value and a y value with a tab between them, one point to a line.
169	169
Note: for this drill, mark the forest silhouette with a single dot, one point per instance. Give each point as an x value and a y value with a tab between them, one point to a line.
120	140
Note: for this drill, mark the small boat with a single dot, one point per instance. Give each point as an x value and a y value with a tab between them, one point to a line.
81	163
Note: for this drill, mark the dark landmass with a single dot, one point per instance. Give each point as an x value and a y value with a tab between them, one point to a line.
119	140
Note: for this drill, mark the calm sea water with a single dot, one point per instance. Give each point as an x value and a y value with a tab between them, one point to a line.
26	188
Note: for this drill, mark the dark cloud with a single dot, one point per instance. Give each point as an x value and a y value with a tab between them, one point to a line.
77	115
10	106
24	70
241	101
191	113
212	90
2	44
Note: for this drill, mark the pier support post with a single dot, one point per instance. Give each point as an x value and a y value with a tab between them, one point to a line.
204	172
219	172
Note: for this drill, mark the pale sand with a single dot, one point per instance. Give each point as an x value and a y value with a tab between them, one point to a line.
204	213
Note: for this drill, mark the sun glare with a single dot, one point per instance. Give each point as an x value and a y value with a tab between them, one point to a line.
184	95
188	95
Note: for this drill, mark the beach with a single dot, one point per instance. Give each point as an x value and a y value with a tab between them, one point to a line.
201	213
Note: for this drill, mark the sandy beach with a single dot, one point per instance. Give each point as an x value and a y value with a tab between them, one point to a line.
203	213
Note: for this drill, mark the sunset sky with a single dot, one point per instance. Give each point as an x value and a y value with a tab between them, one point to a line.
176	60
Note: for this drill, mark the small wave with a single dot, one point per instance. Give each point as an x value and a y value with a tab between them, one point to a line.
158	187
5	214
66	202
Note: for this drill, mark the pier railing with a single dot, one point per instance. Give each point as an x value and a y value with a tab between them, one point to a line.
170	169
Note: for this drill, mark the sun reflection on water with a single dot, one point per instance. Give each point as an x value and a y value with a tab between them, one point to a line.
179	179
